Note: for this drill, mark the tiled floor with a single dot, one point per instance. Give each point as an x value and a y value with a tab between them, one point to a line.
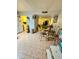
32	46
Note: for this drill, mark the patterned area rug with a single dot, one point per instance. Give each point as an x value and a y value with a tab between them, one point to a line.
32	46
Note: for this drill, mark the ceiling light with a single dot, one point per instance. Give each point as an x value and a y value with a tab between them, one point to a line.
44	11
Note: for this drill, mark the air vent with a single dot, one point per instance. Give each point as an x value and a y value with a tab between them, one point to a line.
35	16
56	17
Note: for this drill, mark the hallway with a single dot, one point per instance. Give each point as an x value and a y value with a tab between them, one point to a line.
32	46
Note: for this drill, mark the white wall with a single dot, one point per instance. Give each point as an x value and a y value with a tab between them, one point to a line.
19	26
60	20
59	23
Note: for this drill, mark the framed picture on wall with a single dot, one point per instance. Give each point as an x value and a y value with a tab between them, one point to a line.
55	19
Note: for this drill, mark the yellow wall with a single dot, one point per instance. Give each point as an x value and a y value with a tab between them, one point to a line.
24	19
51	21
41	20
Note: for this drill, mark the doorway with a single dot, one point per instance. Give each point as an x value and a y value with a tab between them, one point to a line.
44	22
24	23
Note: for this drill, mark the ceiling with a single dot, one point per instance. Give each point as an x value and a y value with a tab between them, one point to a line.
37	6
